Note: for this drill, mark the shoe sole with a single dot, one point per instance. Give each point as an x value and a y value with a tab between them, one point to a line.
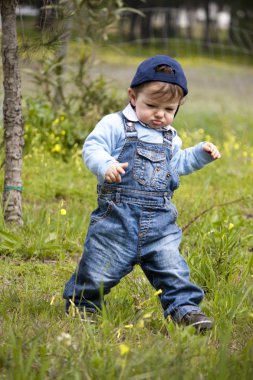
202	325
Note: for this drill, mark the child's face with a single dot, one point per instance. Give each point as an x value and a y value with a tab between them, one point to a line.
154	111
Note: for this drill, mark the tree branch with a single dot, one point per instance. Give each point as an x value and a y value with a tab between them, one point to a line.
186	226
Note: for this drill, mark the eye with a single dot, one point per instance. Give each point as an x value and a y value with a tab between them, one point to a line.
150	105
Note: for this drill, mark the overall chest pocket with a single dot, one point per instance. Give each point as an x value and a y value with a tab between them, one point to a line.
150	168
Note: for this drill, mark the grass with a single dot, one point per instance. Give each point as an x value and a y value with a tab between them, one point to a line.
130	339
181	48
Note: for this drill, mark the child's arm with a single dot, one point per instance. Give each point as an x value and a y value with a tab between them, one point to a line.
101	149
186	161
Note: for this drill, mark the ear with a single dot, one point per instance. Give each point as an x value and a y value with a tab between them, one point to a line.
132	96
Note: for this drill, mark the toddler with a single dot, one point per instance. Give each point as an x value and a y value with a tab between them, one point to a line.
137	157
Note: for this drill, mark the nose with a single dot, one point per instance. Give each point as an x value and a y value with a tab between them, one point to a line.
159	113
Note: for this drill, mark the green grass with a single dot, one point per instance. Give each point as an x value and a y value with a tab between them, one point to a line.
130	339
183	49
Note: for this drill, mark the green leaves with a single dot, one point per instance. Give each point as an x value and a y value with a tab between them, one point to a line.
9	241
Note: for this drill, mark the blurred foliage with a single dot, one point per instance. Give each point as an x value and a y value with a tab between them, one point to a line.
58	130
72	98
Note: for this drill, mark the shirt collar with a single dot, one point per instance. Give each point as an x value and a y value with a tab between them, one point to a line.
130	115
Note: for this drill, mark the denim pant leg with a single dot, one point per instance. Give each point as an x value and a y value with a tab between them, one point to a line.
108	256
167	270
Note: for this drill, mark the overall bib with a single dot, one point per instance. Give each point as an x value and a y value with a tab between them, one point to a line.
135	223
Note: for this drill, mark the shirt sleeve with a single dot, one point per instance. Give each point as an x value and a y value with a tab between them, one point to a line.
100	145
186	161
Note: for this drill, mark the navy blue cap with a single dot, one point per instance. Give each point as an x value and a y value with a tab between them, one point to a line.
146	72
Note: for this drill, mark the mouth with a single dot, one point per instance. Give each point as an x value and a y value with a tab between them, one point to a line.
157	122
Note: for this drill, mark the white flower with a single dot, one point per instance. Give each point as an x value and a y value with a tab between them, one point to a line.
65	338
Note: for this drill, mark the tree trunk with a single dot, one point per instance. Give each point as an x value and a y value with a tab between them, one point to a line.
206	34
12	115
60	58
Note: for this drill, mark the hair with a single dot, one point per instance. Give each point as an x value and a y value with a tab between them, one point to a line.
163	90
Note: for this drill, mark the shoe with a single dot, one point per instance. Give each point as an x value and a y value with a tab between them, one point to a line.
198	320
74	311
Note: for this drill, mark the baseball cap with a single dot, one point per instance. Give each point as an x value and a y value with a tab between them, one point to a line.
146	72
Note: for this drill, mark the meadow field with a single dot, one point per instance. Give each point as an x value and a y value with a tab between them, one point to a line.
130	339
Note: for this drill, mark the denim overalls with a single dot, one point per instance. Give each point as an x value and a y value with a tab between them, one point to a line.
135	223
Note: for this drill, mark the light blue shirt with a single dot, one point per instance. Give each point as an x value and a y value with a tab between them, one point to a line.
103	145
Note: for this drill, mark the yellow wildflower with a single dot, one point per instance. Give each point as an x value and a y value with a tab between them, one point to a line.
184	135
231	226
56	121
124	349
57	148
141	324
147	315
226	148
63	211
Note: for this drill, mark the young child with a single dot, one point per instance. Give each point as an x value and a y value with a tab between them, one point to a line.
137	158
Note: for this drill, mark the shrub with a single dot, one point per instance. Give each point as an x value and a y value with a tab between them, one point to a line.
58	130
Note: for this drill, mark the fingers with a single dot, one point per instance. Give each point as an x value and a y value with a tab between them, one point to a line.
113	173
212	150
120	167
124	165
113	176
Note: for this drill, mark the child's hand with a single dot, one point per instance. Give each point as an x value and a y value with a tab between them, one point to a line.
113	173
212	150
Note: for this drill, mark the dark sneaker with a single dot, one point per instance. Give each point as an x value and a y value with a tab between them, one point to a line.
73	311
198	320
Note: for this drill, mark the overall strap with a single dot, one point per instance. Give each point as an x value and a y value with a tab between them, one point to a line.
167	140
130	130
